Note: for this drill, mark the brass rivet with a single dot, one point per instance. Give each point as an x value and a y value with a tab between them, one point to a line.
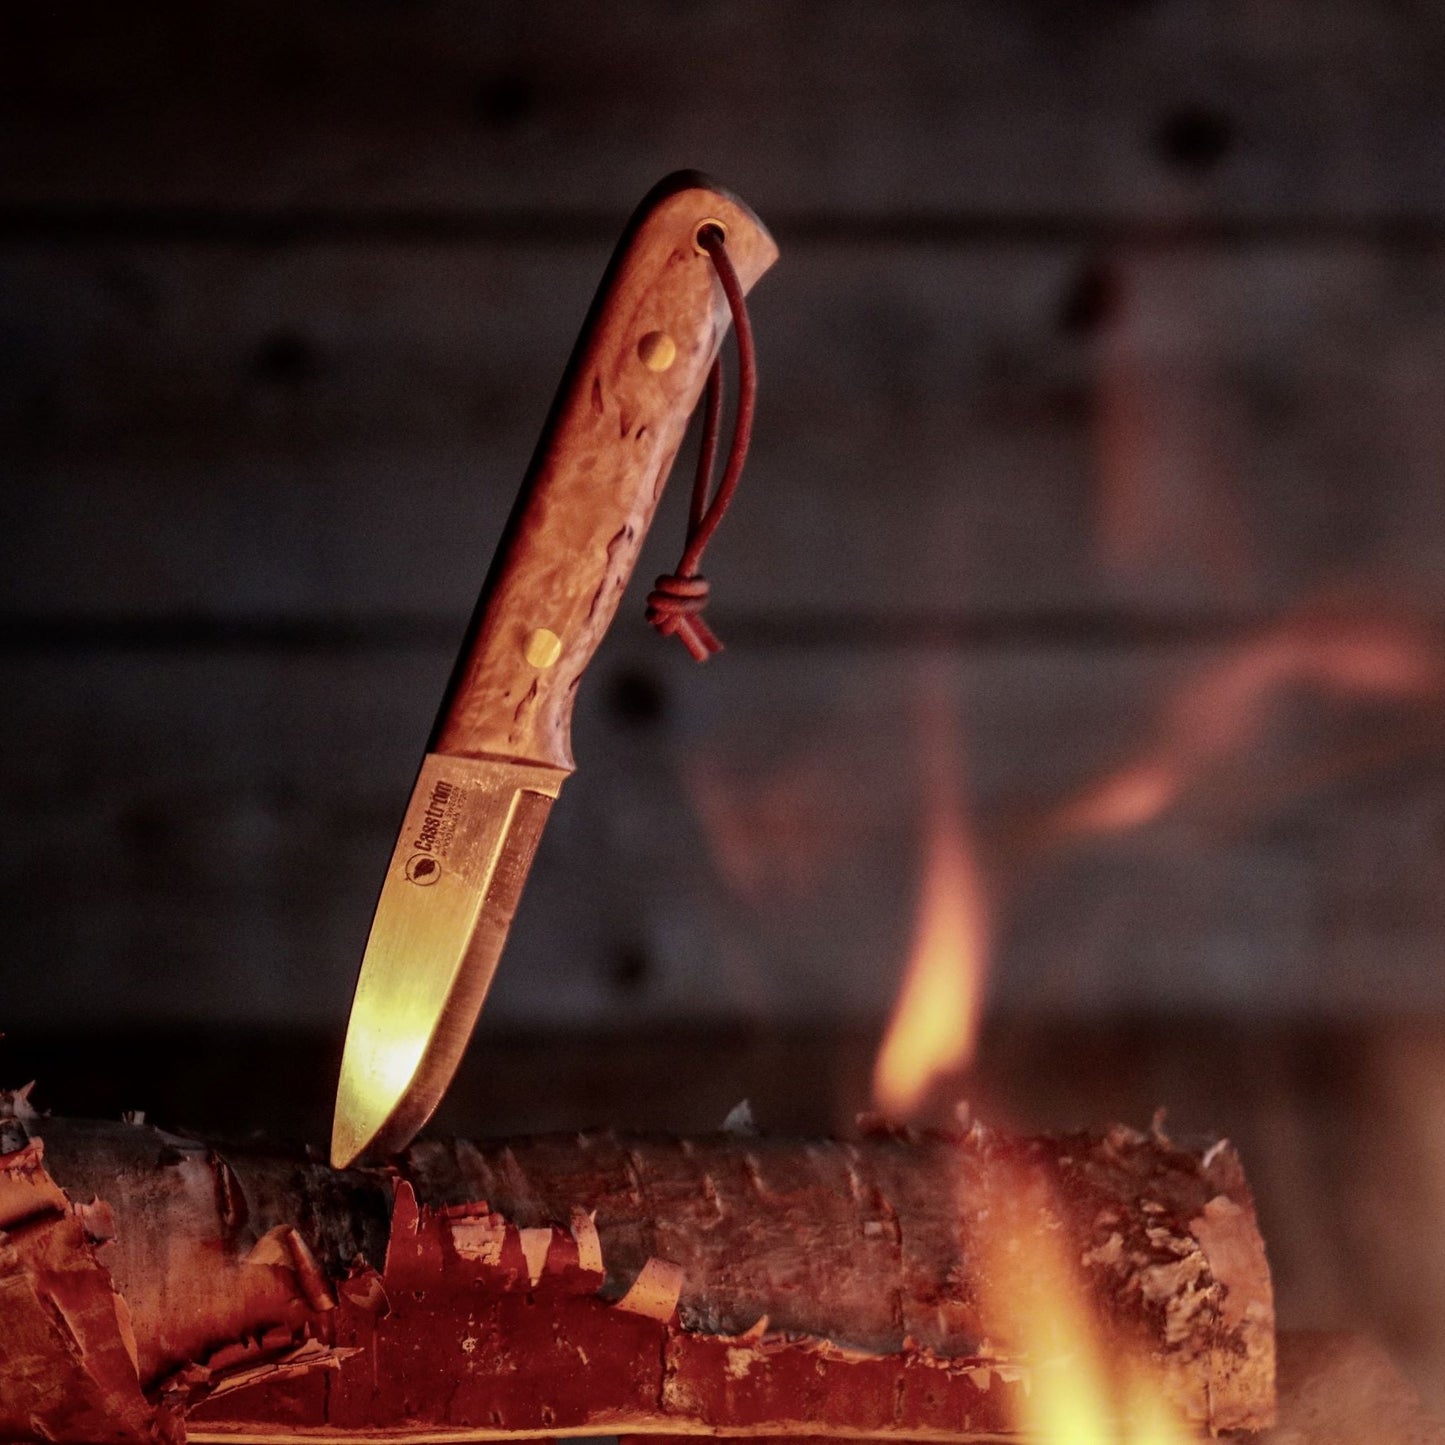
710	224
657	350
543	648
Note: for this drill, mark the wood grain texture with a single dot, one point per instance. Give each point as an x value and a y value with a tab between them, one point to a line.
1168	113
597	477
851	1285
740	841
337	432
282	297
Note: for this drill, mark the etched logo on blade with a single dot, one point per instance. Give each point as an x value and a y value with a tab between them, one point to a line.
422	870
429	837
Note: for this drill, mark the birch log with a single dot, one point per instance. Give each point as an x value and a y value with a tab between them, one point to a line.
154	1286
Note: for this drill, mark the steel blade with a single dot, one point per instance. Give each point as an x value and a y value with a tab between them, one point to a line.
451	889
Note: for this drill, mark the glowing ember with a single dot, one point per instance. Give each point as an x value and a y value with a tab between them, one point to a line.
935	1022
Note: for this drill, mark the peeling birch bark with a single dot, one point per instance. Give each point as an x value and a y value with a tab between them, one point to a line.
159	1287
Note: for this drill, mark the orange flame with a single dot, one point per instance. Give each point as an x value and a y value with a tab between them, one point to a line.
1129	798
1083	1389
935	1022
1224	706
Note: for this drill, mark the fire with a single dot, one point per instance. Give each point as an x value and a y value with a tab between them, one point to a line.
935	1021
1129	798
1219	711
1083	1388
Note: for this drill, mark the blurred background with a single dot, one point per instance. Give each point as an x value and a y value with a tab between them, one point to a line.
1082	597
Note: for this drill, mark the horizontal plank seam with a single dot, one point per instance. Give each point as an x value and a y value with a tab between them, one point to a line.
902	632
82	224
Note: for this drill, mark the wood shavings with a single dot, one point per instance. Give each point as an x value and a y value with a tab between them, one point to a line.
68	1363
26	1190
1236	1259
1108	1254
654	1293
740	1120
535	1244
284	1248
739	1362
308	1356
15	1104
478	1236
98	1220
364	1291
589	1242
272	1357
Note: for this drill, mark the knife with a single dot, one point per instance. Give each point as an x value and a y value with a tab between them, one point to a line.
501	746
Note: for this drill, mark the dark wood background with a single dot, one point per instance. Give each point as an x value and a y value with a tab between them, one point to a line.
1103	399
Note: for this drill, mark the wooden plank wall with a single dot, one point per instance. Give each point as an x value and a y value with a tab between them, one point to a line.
1103	399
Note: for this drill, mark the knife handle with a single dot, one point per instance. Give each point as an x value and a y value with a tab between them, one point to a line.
596	477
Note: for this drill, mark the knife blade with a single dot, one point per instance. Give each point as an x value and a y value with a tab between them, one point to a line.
501	746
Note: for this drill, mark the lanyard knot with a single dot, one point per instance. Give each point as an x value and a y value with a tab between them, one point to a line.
674	606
